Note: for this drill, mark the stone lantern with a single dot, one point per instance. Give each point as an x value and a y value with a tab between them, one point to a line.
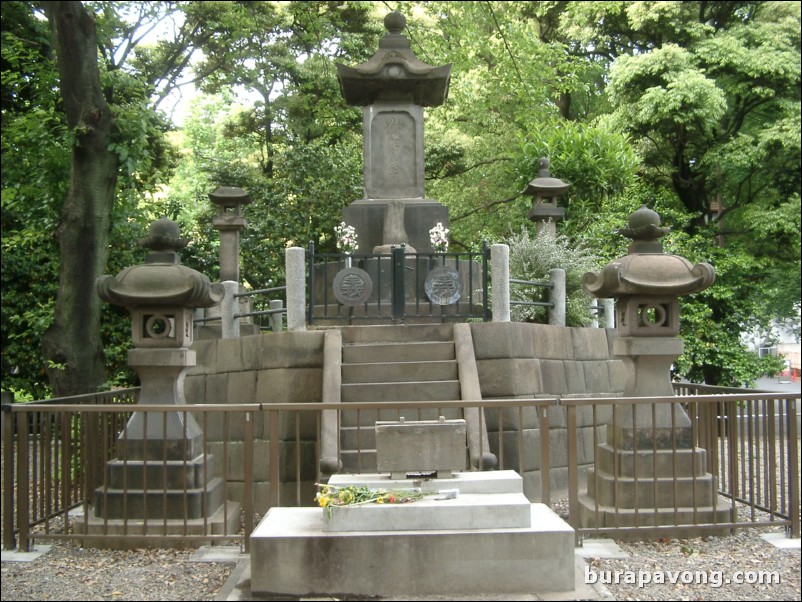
160	449
546	190
647	284
229	223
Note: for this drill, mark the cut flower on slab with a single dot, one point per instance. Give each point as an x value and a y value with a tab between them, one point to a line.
330	496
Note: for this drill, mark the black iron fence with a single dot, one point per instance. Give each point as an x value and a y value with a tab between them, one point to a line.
398	287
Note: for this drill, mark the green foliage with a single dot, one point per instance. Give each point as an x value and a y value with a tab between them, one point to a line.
531	259
692	108
35	149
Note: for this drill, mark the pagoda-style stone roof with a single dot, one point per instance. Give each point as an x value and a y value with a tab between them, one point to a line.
646	270
161	280
394	73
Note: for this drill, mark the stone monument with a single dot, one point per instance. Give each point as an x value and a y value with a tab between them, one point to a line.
649	466
393	87
162	473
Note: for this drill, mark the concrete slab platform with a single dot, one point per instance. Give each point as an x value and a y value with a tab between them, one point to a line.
219	554
292	556
17	556
465	511
237	588
600	548
780	540
490	482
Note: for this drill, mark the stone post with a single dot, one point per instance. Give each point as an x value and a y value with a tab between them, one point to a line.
229	223
295	266
609	313
500	269
557	297
276	319
229	307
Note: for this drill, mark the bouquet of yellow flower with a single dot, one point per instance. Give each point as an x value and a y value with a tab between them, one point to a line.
331	495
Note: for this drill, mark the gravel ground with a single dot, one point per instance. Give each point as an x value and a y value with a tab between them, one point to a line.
68	572
716	559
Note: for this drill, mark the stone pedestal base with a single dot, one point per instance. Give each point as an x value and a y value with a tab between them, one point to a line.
652	487
420	216
225	520
158	490
487	540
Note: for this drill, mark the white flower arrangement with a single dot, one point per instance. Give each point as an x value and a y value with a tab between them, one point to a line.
346	238
438	236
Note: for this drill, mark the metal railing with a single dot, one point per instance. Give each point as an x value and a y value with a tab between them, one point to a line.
55	458
657	478
261	305
398	286
552	294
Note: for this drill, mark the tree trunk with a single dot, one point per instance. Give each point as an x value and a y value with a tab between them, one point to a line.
72	345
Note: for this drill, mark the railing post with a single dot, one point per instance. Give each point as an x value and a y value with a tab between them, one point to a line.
557	309
276	319
500	268
229	306
545	458
23	481
399	296
295	265
247	488
9	541
793	461
92	457
573	473
273	460
485	277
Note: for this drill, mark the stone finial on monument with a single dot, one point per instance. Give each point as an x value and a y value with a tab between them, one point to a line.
229	223
162	448
393	87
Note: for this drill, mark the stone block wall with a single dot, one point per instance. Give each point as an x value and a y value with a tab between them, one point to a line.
517	360
514	360
285	367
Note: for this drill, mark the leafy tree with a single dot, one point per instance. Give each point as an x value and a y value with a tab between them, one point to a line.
62	229
714	101
31	122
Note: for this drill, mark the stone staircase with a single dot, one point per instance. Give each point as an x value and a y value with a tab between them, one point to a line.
392	363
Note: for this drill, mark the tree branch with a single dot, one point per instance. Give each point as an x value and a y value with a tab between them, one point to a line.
485	206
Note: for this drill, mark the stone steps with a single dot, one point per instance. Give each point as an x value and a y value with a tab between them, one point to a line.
431	370
400	351
392	363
